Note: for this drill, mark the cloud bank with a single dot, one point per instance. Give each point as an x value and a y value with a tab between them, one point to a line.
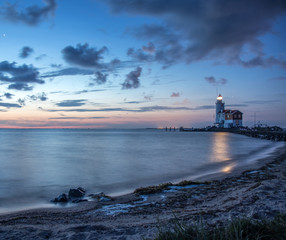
19	77
31	15
8	95
132	79
71	103
84	56
10	105
26	52
175	94
215	82
100	78
193	30
42	97
137	110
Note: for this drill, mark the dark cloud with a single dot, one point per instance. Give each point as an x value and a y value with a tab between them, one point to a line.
114	63
8	95
84	56
138	110
19	76
162	108
87	91
261	102
40	57
215	82
90	110
68	72
90	57
20	86
100	78
150	48
71	103
169	50
237	105
148	97
281	78
10	105
132	79
145	54
140	55
195	30
56	65
42	97
77	92
26	52
203	107
175	94
263	62
133	102
21	101
31	15
59	92
80	118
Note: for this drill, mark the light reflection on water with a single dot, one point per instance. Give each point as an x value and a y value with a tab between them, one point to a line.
228	169
221	150
37	165
220	147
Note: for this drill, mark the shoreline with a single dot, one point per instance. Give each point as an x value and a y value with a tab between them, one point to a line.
257	190
41	188
258	163
216	175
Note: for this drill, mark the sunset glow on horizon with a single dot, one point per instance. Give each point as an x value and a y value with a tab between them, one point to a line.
140	64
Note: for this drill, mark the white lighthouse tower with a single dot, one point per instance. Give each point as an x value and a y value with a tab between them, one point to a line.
219	110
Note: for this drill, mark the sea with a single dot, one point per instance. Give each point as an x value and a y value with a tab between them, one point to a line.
37	165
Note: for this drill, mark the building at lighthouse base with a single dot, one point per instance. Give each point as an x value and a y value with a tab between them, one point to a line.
230	119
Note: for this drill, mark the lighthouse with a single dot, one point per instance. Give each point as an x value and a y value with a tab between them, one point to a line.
219	109
227	118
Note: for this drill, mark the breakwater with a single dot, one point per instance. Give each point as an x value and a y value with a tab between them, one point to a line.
274	136
269	135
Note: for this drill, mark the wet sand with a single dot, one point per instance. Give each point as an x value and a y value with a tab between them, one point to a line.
257	191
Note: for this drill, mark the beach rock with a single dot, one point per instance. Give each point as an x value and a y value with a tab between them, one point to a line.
63	198
79	200
105	199
97	195
101	197
76	193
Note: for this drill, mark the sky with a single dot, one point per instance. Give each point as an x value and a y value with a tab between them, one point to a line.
140	63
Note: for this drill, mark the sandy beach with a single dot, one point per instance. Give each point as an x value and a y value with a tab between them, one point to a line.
256	191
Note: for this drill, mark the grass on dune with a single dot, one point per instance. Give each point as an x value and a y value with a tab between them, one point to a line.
238	229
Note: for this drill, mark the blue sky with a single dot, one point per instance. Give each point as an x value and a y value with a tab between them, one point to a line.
129	64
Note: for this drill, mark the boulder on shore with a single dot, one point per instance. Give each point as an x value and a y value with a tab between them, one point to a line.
101	197
76	193
63	198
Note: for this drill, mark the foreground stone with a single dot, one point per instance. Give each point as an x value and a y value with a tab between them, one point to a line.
63	198
74	195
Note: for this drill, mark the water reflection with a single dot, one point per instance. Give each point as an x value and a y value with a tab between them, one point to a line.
220	147
228	168
221	151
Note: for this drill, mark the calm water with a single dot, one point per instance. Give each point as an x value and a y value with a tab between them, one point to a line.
37	165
